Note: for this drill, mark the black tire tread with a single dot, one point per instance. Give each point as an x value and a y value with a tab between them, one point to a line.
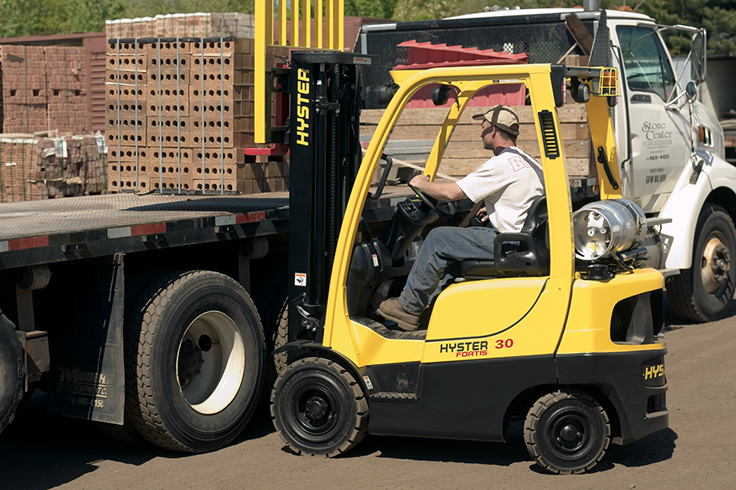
680	296
680	288
7	413
535	414
139	329
361	422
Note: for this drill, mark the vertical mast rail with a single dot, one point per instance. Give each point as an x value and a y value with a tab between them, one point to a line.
331	37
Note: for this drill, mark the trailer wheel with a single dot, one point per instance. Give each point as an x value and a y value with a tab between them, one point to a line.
318	408
11	371
704	292
196	352
567	432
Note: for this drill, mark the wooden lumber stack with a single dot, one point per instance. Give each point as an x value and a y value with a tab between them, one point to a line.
465	151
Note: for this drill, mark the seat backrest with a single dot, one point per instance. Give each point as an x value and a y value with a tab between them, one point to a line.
532	258
536	224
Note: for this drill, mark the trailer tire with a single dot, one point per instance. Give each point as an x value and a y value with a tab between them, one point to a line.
319	408
195	352
567	432
704	292
11	371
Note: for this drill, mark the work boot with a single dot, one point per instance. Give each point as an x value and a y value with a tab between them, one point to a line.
392	310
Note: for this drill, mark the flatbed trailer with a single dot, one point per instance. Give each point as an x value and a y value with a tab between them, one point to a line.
71	269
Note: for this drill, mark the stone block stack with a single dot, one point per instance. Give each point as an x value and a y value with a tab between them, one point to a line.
180	114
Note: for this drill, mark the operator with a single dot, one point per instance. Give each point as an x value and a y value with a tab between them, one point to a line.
507	184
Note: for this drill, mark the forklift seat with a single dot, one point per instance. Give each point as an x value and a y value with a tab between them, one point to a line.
516	254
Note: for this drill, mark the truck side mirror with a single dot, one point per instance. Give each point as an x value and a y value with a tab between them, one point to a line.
692	91
698	52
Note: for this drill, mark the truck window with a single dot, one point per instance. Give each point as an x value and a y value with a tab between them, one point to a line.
646	65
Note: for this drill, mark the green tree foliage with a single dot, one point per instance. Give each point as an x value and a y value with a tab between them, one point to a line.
382	9
37	17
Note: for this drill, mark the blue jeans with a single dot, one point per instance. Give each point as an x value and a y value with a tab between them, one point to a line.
442	246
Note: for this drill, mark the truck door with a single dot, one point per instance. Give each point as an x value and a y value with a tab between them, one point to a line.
660	137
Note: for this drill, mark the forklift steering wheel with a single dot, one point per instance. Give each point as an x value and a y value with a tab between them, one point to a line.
444	209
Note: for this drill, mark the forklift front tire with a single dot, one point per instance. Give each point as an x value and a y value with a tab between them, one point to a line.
567	432
318	408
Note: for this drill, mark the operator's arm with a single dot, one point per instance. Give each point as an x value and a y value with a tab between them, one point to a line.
442	191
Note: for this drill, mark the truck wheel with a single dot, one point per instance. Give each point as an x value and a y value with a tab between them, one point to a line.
11	371
567	432
195	350
318	408
704	292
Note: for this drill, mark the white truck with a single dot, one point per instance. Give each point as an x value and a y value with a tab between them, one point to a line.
670	148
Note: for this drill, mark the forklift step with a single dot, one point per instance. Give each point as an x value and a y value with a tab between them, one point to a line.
388	396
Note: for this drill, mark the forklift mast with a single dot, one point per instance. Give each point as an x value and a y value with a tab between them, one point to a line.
324	142
322	89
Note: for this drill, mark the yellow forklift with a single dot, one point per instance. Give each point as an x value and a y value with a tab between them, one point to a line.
564	329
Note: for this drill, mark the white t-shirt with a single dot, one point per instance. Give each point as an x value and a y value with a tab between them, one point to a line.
507	183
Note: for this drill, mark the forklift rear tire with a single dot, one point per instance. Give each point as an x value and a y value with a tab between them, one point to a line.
704	292
11	371
318	408
567	432
195	352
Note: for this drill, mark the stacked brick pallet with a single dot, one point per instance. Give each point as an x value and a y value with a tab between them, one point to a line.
200	25
67	98
43	89
31	170
179	115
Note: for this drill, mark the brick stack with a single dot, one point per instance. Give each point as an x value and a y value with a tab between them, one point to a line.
24	89
43	89
183	119
200	25
30	169
66	82
17	160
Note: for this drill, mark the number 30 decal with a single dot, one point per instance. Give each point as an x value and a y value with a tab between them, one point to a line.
501	344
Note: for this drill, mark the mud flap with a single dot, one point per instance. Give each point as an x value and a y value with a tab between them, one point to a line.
87	377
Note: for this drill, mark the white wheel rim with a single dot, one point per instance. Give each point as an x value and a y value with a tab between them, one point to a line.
210	362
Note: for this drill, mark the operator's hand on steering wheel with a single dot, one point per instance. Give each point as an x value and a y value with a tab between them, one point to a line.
416	178
446	209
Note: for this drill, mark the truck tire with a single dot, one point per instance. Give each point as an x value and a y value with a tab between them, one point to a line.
195	355
318	408
11	371
567	432
704	292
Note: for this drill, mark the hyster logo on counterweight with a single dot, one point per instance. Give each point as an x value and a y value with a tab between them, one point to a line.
465	349
302	107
